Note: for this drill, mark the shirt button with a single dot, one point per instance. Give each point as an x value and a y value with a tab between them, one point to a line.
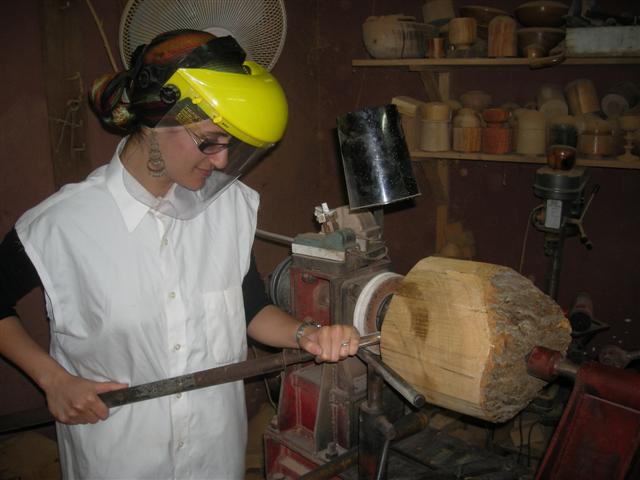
172	295
179	395
180	444
165	242
177	347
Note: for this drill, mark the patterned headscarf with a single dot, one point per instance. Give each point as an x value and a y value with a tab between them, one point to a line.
124	101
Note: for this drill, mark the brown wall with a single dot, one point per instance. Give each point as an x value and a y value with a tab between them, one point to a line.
493	200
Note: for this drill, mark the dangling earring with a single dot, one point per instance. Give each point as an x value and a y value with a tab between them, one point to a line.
155	164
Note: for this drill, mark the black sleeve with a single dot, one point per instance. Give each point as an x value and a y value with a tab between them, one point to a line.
18	276
254	292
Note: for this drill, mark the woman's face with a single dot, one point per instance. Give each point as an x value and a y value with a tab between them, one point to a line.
185	163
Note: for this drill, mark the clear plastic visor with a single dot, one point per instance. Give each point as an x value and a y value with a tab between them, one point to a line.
198	159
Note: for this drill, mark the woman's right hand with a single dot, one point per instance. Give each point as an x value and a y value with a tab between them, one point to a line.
74	400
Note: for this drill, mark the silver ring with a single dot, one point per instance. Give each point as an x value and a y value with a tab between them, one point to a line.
346	343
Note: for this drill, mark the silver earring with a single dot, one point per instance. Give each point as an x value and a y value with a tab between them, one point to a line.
155	164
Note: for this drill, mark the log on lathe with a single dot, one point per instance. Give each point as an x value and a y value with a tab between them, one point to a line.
459	332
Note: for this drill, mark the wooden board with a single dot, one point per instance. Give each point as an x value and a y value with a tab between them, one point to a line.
459	332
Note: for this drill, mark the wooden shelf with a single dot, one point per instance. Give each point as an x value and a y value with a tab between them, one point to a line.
418	63
419	155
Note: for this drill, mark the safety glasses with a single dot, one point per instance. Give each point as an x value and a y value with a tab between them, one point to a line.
210	146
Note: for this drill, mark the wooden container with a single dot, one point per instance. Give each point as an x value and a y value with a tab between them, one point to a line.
435	47
550	101
582	97
503	39
459	332
410	110
496	135
620	99
476	99
467	139
435	136
462	32
561	157
530	132
437	111
596	145
467	131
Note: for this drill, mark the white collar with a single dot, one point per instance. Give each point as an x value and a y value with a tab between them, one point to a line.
132	210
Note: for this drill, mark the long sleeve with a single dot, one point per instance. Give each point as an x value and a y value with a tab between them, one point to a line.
18	276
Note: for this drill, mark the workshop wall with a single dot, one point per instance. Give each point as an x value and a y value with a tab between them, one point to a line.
492	200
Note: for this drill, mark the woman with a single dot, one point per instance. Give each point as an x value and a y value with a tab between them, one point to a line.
147	268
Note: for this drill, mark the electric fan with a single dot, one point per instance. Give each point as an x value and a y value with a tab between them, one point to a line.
259	26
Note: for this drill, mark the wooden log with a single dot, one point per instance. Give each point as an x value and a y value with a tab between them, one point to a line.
459	332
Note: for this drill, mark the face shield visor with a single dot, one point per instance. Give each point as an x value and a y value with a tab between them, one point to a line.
221	123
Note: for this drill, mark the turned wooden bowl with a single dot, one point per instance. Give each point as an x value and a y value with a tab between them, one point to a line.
561	157
537	41
542	13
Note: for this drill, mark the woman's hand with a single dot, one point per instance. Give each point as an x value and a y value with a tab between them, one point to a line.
332	343
74	400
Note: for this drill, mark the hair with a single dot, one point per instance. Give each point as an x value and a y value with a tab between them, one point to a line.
127	100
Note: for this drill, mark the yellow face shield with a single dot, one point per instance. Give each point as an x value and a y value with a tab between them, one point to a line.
248	113
250	107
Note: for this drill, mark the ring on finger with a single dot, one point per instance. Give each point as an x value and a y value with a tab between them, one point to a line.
345	343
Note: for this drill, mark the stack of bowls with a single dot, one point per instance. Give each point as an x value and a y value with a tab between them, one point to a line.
542	21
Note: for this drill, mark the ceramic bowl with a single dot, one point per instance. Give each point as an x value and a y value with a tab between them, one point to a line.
537	41
542	13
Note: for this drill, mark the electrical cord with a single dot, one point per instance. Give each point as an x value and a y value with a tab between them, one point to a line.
526	234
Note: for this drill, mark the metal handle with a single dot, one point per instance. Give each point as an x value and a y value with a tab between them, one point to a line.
183	383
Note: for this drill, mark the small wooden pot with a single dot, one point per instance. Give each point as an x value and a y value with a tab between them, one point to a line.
503	39
582	97
467	139
435	136
463	32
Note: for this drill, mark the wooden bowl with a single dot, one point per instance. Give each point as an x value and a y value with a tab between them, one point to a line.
561	157
482	14
537	41
542	13
476	99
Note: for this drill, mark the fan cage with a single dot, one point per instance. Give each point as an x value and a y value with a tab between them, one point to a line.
259	26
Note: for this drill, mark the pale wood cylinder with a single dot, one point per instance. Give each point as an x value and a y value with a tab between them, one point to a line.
551	102
582	96
459	332
503	40
463	31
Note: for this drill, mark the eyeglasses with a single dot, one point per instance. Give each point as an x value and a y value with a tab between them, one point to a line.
209	147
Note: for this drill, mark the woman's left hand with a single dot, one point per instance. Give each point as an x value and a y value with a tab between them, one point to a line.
331	343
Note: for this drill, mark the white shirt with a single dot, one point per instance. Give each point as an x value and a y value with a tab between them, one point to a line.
134	297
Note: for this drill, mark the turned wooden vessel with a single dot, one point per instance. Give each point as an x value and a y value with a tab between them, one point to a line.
503	39
459	332
582	97
496	135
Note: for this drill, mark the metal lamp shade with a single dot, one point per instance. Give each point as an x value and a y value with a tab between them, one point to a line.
375	157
